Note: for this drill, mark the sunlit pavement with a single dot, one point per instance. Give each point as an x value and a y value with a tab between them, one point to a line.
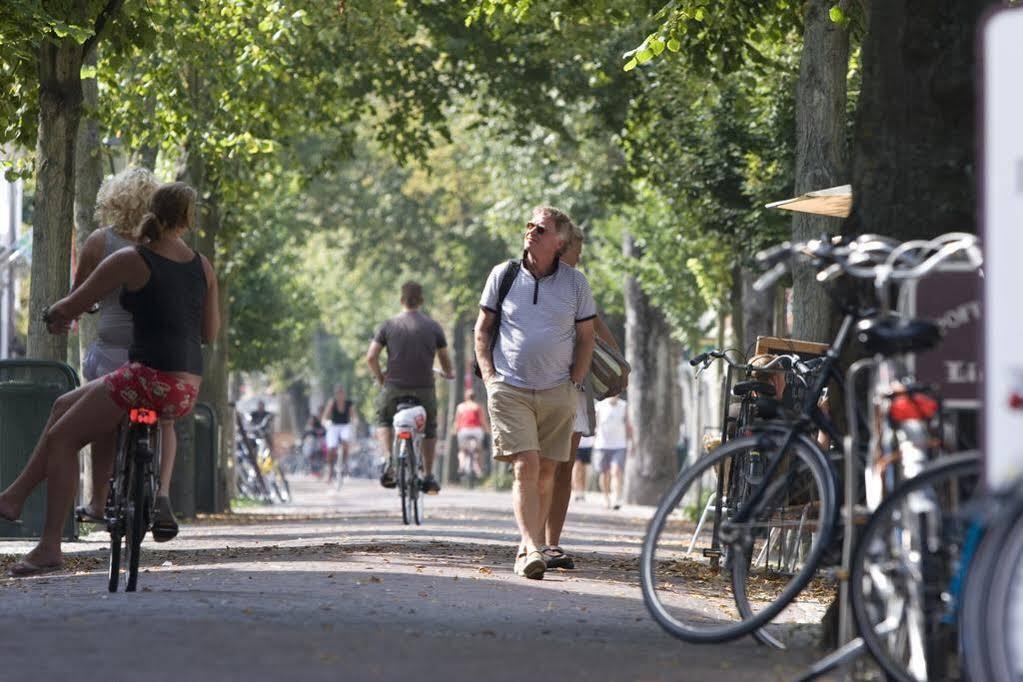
334	586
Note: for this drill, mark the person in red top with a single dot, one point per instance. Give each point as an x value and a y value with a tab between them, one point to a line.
470	425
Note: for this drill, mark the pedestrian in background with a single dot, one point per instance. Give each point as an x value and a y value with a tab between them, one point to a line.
610	444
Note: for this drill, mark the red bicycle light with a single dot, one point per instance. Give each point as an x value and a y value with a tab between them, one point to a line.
404	435
140	415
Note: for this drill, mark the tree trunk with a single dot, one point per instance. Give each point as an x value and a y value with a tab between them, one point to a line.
820	153
757	310
456	394
653	394
60	107
913	156
88	177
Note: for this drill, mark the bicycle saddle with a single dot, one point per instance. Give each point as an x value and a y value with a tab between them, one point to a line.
892	335
407	401
745	387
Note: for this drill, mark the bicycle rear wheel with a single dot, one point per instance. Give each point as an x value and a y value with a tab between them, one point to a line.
904	562
137	525
416	493
794	520
404	480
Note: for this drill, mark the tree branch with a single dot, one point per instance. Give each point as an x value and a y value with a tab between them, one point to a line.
112	8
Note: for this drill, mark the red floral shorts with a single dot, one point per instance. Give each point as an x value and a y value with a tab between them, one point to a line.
135	385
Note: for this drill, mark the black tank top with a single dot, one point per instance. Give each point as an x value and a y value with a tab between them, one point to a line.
167	314
341	416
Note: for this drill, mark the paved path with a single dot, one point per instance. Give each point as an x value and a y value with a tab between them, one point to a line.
334	587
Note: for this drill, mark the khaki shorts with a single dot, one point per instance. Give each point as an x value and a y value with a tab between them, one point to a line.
524	420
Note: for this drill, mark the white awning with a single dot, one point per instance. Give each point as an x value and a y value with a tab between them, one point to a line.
834	201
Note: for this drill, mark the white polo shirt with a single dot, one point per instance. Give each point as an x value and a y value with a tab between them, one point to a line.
538	317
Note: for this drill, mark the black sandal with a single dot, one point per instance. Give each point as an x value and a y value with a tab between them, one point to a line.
555	557
165	526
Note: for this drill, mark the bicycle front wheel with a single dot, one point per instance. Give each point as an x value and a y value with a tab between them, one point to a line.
904	562
116	533
771	556
1004	601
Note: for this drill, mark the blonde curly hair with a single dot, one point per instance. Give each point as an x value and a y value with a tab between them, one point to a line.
123	199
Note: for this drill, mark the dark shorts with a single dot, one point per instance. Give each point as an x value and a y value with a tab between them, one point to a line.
584	455
387	404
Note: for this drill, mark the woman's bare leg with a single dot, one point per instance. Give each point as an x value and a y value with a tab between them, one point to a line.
562	495
91	415
104	449
168	450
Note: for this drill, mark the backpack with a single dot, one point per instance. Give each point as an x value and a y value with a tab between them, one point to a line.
507	279
607	370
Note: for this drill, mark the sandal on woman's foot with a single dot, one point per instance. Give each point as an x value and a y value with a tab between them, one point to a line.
25	568
84	514
165	526
556	558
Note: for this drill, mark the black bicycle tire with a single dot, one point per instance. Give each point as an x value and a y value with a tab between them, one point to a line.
998	602
687	477
403	482
136	529
951	466
416	490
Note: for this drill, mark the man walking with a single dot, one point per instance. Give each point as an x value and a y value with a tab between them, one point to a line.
412	339
534	349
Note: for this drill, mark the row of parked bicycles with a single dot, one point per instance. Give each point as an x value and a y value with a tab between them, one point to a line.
258	475
856	499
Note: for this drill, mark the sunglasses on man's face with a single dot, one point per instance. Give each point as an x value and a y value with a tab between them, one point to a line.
539	229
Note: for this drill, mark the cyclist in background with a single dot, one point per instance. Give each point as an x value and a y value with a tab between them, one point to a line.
341	418
470	423
412	340
171	292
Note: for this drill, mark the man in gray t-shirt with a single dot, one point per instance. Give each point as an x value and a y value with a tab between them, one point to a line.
540	357
412	340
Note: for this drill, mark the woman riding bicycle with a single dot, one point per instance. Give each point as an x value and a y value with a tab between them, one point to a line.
121	202
171	292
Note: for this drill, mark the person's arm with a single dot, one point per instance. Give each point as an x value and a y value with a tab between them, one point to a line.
582	353
628	429
123	268
89	258
210	306
445	362
355	417
483	333
373	361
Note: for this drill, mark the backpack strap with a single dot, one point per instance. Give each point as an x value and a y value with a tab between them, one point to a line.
511	271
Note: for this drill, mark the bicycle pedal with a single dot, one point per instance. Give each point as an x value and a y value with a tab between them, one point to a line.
709	553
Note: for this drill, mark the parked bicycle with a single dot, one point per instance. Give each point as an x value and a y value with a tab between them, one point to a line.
791	510
258	476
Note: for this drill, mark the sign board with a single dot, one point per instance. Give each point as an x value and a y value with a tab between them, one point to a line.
952	299
1001	201
773	345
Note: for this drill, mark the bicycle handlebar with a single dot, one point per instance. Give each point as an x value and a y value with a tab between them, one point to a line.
872	257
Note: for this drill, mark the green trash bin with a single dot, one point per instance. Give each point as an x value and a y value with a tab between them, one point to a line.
182	491
207	460
28	389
